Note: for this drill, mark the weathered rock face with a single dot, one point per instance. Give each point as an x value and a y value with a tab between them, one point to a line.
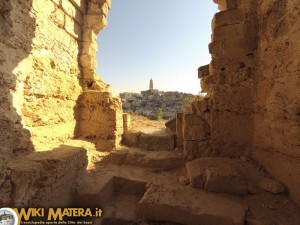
41	76
49	92
47	62
100	119
277	117
15	45
252	105
230	82
40	178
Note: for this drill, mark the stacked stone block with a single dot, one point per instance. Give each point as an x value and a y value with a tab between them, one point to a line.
100	119
94	21
195	134
230	84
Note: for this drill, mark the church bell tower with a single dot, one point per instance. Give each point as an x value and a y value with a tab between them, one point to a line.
151	85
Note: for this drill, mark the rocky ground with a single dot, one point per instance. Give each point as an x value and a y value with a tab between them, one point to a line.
146	182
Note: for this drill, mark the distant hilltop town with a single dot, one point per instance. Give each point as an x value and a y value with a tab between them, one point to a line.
152	102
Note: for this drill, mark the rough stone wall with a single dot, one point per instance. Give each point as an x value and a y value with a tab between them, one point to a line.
94	21
277	115
231	84
15	46
47	63
99	114
42	78
226	114
39	50
40	178
100	119
252	105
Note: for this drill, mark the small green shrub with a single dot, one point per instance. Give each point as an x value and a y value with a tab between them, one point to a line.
158	115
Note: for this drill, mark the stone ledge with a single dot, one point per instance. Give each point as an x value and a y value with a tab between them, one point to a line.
150	142
171	125
40	178
203	71
228	17
282	167
189	206
235	31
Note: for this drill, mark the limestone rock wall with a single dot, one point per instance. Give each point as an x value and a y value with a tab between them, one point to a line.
252	86
277	116
231	84
100	119
51	86
94	21
226	114
40	178
39	64
15	46
47	62
47	57
196	130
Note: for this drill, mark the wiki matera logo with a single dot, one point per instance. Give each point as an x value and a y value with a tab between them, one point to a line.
8	217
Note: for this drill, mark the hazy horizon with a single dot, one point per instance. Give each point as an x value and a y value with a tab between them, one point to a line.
166	41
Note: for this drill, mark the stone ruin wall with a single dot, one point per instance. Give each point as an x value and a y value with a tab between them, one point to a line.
276	142
252	106
50	93
43	79
225	115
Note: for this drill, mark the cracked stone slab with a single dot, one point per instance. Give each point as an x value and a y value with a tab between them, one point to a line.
189	206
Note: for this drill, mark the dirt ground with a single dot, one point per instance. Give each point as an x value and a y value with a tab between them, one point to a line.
145	125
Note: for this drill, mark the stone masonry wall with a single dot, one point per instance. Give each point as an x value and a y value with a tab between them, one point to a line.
15	46
50	92
252	85
42	78
277	103
47	63
99	114
39	51
100	119
231	84
225	117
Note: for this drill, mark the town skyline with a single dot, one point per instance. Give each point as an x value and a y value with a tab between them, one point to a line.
169	47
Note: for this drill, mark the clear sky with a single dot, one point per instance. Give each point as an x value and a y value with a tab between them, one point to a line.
166	40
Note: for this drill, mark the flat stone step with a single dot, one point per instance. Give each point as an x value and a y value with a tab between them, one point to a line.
189	206
158	160
157	141
115	195
96	191
230	176
40	178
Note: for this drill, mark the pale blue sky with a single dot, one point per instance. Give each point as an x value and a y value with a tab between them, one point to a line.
166	40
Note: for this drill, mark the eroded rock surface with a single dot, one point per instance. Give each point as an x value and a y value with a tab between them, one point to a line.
40	178
191	207
245	131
